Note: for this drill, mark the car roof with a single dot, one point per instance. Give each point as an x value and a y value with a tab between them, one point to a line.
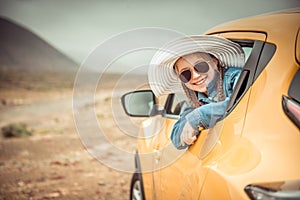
281	28
262	23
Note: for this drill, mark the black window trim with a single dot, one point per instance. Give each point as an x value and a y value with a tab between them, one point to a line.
260	56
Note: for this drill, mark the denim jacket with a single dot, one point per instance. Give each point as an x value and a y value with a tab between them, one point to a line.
207	115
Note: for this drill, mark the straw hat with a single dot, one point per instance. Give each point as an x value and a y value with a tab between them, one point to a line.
162	77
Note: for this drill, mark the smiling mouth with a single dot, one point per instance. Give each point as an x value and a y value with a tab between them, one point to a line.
201	81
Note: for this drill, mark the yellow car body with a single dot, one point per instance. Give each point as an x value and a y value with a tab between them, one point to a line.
255	151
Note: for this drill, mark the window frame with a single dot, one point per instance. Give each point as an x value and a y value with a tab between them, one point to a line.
262	52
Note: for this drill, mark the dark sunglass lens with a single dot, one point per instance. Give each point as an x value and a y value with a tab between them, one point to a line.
185	76
202	67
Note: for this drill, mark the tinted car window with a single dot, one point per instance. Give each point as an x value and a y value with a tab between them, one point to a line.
176	104
294	90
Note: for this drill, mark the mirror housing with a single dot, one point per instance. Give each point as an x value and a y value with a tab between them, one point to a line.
141	103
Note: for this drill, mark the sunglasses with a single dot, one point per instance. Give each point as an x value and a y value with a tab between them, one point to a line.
186	75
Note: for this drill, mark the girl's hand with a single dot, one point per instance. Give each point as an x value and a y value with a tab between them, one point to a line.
188	135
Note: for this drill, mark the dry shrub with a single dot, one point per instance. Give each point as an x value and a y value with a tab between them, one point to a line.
15	130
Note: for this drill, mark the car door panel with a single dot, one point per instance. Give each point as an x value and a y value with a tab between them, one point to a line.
211	146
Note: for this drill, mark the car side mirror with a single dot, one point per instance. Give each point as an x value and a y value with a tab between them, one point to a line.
140	103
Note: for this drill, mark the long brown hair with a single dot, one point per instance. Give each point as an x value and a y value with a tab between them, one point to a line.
221	94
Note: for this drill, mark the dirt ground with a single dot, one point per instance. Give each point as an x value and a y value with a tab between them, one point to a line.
53	163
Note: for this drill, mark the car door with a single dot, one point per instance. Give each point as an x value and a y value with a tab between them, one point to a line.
182	173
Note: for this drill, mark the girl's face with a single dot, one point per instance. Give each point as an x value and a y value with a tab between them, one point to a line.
198	80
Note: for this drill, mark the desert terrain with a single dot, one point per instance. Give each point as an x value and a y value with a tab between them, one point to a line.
52	162
42	154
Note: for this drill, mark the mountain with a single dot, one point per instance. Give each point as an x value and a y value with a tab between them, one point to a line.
26	60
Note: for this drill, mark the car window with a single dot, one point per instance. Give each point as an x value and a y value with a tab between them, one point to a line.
257	56
175	105
294	90
247	51
291	103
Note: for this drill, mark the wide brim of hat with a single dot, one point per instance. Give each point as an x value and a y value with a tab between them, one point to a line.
161	75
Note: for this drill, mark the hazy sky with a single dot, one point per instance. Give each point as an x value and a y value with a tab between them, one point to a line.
76	27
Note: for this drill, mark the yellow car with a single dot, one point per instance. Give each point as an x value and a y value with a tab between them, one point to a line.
254	152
